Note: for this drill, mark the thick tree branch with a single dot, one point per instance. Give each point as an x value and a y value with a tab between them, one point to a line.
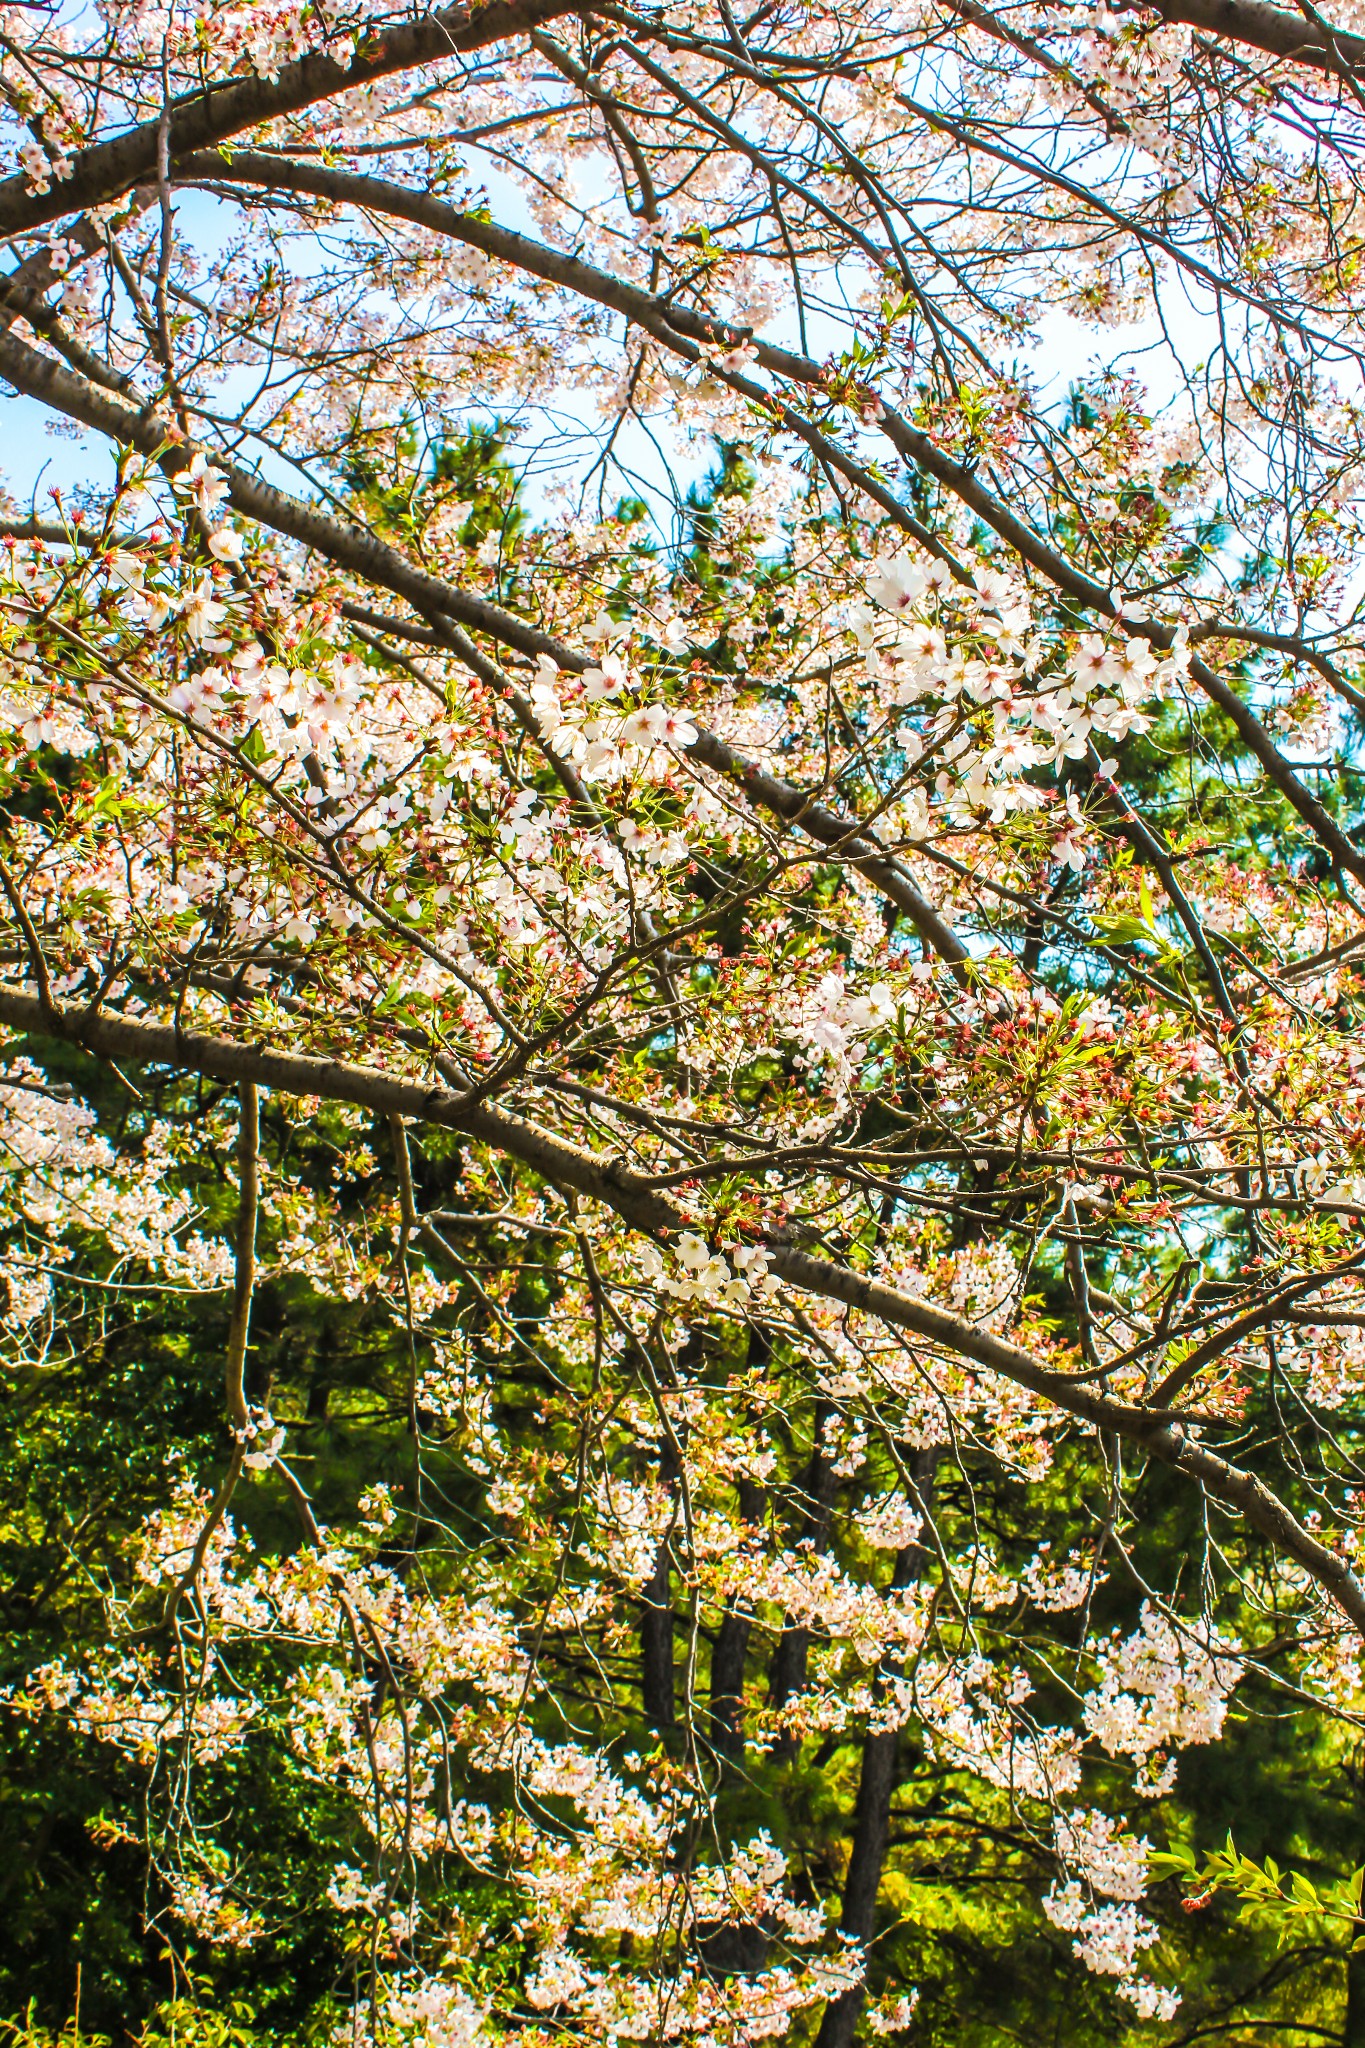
199	120
353	548
1276	30
111	1036
676	328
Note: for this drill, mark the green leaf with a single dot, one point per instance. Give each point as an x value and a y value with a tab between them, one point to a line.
1122	929
1145	899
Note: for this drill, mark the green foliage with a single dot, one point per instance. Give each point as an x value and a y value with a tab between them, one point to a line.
85	1449
1281	1901
186	2022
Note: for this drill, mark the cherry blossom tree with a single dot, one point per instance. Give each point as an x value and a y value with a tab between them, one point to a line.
808	994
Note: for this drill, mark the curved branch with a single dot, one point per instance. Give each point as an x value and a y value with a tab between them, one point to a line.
619	1188
199	120
679	330
354	548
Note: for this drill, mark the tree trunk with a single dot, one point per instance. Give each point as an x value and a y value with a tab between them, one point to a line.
877	1782
871	1826
656	1617
817	1501
656	1598
1353	2033
732	1641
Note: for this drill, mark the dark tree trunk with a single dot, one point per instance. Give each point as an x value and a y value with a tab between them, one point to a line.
732	1644
789	1665
656	1598
816	1503
1353	2033
877	1782
871	1825
732	1640
1353	2019
656	1618
727	1680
